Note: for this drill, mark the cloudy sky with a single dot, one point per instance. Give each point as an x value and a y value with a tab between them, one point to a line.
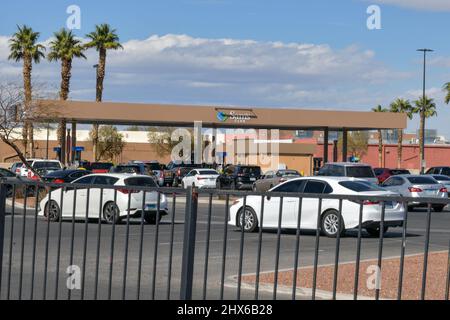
285	53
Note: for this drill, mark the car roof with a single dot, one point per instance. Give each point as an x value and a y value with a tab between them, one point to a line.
329	179
119	175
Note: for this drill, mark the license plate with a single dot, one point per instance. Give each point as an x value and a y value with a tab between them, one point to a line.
252	179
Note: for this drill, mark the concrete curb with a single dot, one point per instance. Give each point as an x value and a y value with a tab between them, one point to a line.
301	293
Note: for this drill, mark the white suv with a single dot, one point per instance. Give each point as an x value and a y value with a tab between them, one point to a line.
348	169
39	164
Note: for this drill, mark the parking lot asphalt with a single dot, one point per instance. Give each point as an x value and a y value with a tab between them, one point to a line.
157	242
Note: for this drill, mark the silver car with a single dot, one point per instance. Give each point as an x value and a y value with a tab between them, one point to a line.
445	180
417	186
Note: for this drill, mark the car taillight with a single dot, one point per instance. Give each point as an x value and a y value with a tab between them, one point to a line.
58	181
412	189
201	178
370	203
161	174
127	191
18	170
445	190
179	172
30	174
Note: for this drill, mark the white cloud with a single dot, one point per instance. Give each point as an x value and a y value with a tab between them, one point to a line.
183	69
430	5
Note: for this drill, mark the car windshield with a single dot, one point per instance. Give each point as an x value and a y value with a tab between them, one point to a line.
250	170
101	166
46	165
208	172
359	186
360	172
140	182
422	180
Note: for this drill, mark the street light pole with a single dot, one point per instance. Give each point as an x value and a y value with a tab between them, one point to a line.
422	111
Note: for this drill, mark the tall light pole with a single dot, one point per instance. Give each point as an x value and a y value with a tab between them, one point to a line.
422	111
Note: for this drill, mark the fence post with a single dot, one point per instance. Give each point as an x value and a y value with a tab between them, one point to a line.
2	227
190	228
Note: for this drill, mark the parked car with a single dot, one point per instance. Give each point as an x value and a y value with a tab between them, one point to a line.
43	167
15	167
439	170
444	180
200	178
114	207
330	225
156	168
273	178
417	186
9	176
238	177
384	173
65	176
176	171
348	169
99	167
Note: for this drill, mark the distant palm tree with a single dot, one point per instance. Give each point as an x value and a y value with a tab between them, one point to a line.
446	88
430	111
23	46
102	39
401	106
65	47
379	108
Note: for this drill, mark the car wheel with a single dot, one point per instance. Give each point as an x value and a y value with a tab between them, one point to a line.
52	211
150	218
111	213
250	220
375	232
438	208
331	224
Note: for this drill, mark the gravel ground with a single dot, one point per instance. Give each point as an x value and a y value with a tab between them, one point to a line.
412	277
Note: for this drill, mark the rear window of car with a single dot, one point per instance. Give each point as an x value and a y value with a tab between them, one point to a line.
288	173
360	172
422	180
398	171
57	174
100	166
208	172
378	171
442	178
140	182
360	186
6	173
46	165
250	170
153	166
126	169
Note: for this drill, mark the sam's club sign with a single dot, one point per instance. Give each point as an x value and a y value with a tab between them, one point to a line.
237	116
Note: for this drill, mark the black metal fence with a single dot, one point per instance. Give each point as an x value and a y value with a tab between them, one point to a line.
184	246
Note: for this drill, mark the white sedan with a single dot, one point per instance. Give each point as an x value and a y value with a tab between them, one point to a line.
200	178
113	207
329	219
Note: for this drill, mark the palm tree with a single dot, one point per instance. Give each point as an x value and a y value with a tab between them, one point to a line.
102	39
429	111
379	108
446	88
401	106
23	46
65	47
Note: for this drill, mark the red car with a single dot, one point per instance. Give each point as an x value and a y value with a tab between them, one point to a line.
384	173
99	167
